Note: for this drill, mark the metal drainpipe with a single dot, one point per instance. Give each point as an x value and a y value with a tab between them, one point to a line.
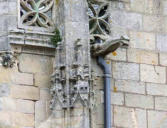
107	91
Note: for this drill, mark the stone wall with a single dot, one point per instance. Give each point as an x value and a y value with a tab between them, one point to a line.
139	73
139	80
24	89
8	14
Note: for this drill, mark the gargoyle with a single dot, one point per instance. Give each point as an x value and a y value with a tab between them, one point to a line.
102	49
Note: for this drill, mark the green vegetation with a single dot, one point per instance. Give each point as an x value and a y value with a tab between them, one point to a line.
56	38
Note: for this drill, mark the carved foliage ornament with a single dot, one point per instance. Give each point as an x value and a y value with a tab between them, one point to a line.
36	13
98	20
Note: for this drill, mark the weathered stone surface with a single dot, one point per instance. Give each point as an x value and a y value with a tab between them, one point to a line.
117	98
25	92
129	118
42	112
124	19
152	23
119	55
36	64
45	94
134	100
21	119
25	106
163	59
129	86
137	5
7	104
12	8
157	119
42	80
154	74
4	7
164	8
17	119
142	40
161	42
146	6
4	90
128	71
156	89
141	56
99	118
22	78
6	73
161	103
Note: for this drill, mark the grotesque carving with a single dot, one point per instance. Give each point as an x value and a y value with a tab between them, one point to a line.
102	49
8	59
36	13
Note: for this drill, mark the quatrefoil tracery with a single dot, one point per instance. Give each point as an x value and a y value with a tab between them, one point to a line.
36	13
98	20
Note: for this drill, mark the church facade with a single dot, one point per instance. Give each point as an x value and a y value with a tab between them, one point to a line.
83	63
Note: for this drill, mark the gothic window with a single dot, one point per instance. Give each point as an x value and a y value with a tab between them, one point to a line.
36	14
98	20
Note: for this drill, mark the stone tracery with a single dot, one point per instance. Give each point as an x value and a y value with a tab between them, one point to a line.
98	20
36	13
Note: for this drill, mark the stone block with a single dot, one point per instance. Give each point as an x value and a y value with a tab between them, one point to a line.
5	74
129	86
25	106
153	6
163	59
4	7
152	23
164	8
7	104
119	55
142	40
42	112
146	6
129	118
16	119
161	42
125	20
98	83
141	56
125	71
12	7
45	94
137	5
154	74
4	25
25	92
117	98
4	90
21	119
42	80
156	89
5	118
157	119
100	111
35	64
23	78
161	103
134	100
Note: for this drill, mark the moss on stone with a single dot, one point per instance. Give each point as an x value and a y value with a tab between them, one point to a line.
56	38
